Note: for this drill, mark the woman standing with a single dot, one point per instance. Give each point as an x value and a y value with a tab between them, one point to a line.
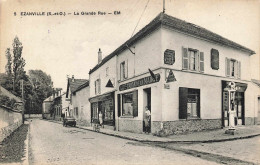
100	117
147	118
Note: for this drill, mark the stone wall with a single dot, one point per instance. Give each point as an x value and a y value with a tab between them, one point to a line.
10	120
184	126
250	120
135	126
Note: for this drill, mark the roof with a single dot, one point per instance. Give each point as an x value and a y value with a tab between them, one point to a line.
5	92
257	82
175	24
48	99
86	84
74	85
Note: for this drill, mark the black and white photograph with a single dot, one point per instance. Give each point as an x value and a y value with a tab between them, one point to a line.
129	82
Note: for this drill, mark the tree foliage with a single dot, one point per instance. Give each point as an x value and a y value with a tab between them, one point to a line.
37	85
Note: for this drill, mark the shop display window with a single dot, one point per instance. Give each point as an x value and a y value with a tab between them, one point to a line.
127	104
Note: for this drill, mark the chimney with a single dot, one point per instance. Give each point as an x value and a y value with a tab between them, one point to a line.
72	78
99	56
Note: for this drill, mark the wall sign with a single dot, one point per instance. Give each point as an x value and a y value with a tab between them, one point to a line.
140	82
169	57
169	76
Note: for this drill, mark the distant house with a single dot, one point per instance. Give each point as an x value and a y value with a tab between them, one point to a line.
46	105
78	94
52	106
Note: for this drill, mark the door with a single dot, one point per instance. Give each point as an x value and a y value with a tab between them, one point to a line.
147	102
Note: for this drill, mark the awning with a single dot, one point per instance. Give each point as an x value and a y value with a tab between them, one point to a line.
102	97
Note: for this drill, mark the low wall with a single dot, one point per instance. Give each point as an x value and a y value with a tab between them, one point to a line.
184	126
32	116
10	120
129	125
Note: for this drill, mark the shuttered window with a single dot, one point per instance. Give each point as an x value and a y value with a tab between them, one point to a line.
233	68
192	60
214	59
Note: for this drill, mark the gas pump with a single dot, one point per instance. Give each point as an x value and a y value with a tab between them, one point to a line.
231	102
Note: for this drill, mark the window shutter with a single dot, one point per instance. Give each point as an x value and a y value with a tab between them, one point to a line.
198	102
183	99
185	58
99	86
239	69
95	87
201	65
236	69
214	59
126	69
227	67
197	61
135	103
118	105
121	71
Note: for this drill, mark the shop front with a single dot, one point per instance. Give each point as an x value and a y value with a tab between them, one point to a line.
133	97
238	105
106	105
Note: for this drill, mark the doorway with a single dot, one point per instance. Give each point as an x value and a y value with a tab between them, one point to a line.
147	102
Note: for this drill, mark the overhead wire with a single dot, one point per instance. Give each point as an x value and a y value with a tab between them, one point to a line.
140	17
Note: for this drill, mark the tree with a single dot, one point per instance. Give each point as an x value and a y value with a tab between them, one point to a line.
8	66
18	62
42	88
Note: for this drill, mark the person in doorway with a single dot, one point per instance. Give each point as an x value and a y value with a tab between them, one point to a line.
147	118
100	117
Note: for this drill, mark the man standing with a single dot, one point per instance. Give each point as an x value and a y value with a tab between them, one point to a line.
147	118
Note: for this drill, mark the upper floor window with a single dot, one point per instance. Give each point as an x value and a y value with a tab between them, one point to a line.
123	70
192	60
214	59
97	86
233	68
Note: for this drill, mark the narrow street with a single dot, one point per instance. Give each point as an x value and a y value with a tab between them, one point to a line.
51	143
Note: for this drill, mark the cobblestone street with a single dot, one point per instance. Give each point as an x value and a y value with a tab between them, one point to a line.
51	143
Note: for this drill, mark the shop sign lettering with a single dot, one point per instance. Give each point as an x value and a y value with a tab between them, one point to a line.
140	82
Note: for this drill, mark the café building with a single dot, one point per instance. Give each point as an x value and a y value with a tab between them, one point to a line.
179	71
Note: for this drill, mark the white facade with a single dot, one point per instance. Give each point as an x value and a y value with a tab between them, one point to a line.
204	86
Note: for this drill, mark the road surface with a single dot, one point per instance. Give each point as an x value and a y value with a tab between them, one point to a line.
51	143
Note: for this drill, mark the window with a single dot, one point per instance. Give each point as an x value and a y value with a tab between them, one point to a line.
189	103
130	104
107	71
97	86
192	60
233	68
214	59
123	70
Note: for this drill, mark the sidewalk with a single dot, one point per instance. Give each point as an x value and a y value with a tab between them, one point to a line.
219	135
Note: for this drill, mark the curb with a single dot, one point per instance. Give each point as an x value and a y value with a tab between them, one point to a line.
168	141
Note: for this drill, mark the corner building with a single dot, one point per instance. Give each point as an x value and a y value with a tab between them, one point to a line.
189	69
